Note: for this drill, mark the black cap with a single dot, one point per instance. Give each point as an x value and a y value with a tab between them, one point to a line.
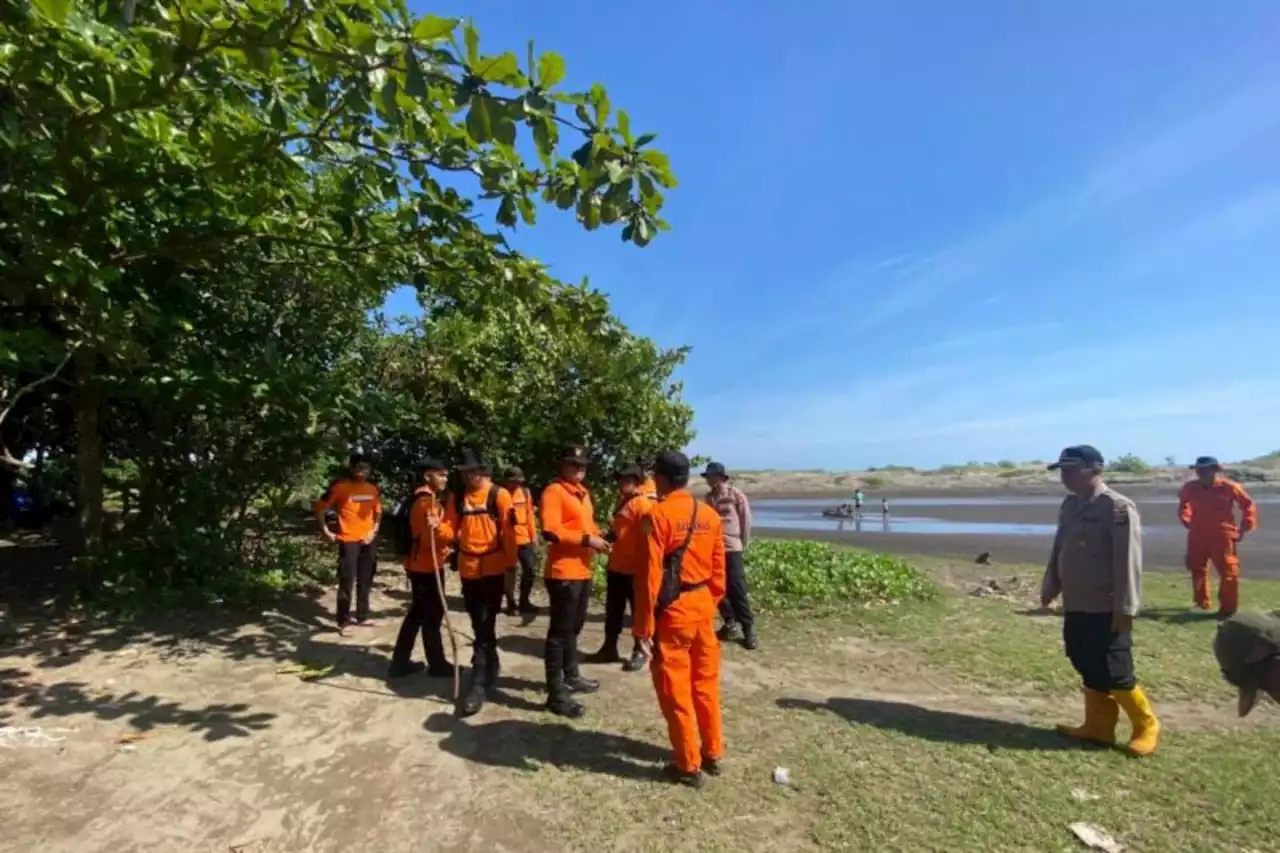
1207	462
646	462
635	472
513	475
358	459
715	469
1079	456
428	465
673	465
471	461
575	454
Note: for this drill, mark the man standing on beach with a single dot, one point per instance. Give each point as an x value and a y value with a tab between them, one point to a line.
1206	507
1096	566
735	516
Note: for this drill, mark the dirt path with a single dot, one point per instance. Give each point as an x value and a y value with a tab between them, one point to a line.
205	737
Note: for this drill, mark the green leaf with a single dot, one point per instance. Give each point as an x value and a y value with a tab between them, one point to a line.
415	83
431	28
645	139
499	69
624	126
504	130
279	120
55	10
600	103
545	137
472	37
550	70
506	215
478	120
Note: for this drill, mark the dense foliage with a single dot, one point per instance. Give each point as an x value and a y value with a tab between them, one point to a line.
787	574
202	200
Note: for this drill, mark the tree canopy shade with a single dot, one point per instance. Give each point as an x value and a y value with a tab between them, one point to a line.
200	203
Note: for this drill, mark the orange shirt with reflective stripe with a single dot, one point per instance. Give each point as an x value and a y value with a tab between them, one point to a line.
568	520
1212	508
668	523
630	548
522	507
359	504
484	546
427	506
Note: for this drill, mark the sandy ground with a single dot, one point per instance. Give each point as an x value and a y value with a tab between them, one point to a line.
1163	539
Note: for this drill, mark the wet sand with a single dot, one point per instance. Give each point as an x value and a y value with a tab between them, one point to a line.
1163	538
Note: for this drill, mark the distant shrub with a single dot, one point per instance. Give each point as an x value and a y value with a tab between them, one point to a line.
1005	463
1008	475
873	482
787	574
1130	464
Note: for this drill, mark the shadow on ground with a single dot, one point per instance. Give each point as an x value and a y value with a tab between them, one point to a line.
938	726
1177	615
528	746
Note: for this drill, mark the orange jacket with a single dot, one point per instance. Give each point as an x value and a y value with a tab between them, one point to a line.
522	513
568	521
668	523
630	551
359	506
486	543
1211	509
427	506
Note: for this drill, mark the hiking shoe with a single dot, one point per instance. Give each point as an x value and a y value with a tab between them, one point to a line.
751	642
564	706
344	630
696	779
712	766
402	670
608	654
528	608
636	662
578	684
729	632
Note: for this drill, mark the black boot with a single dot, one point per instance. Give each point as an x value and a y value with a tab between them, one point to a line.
560	701
493	667
473	693
439	669
750	641
402	669
696	779
729	631
577	684
511	605
636	662
608	652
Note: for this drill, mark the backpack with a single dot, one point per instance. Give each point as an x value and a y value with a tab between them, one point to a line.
402	526
490	509
672	564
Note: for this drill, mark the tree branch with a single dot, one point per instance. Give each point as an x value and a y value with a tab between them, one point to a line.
11	402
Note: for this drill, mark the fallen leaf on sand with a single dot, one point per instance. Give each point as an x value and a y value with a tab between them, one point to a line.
134	737
306	673
1080	795
1095	837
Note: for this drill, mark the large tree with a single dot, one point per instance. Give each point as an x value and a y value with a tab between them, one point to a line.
201	200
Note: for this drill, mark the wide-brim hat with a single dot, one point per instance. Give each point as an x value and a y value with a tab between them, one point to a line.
1245	645
513	475
430	465
634	472
574	454
1206	462
715	469
1079	456
469	460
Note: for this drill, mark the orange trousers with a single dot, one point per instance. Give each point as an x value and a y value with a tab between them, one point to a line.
686	677
1218	548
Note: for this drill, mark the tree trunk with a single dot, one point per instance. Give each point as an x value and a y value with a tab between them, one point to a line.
89	492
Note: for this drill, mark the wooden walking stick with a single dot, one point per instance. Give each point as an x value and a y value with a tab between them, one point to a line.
444	605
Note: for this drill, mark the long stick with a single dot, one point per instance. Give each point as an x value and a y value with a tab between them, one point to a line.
444	606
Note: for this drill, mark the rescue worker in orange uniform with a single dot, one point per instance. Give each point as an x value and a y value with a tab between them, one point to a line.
426	610
629	557
676	606
479	517
1206	507
358	503
573	540
526	528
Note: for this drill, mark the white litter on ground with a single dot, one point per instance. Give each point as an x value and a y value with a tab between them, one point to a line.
1095	837
782	776
35	737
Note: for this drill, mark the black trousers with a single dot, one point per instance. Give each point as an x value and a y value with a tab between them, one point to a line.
619	596
1104	658
528	557
425	614
483	600
736	606
356	562
569	600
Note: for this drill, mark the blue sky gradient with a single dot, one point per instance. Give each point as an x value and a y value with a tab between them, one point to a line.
925	232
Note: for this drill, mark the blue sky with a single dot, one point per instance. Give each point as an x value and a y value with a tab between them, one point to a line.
928	232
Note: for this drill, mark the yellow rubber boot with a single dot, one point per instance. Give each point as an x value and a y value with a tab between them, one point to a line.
1101	713
1146	728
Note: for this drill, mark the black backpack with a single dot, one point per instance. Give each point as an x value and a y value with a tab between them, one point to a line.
401	525
672	564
